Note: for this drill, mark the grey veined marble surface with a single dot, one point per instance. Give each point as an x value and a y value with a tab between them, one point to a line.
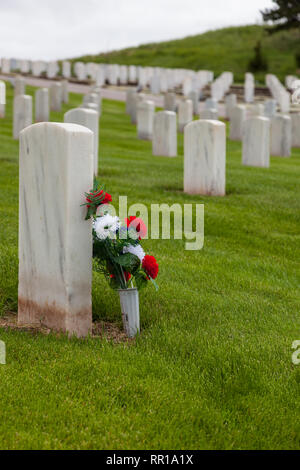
55	242
205	157
256	142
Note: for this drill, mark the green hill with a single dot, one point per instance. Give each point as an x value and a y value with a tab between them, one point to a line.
223	49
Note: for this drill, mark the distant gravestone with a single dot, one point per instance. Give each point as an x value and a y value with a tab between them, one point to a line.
22	114
94	98
136	99
90	119
249	88
295	130
123	75
270	107
19	86
185	113
164	142
257	109
55	97
2	98
92	106
5	66
145	117
205	158
42	105
281	135
132	74
209	114
256	142
170	102
130	100
230	103
194	96
65	91
66	69
55	242
80	71
238	116
25	66
211	103
100	76
155	84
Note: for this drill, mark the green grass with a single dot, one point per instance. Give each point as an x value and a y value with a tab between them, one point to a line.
220	50
212	367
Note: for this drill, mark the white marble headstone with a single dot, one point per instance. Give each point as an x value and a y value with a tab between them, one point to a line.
65	91
90	119
19	86
94	98
55	242
281	135
145	117
270	107
210	114
230	103
56	97
170	102
256	142
130	99
185	113
295	129
42	105
2	98
194	96
205	158
164	141
238	116
136	99
22	114
66	69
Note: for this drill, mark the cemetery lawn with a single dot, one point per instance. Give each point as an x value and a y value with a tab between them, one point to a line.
212	367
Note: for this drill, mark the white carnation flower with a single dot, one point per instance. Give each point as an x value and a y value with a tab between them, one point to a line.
106	226
135	250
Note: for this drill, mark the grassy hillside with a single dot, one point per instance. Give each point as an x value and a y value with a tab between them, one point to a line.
224	49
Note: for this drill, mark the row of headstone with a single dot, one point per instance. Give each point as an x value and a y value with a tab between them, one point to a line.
221	86
249	88
159	79
2	98
284	130
44	102
279	93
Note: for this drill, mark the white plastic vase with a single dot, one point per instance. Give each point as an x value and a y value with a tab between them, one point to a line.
129	300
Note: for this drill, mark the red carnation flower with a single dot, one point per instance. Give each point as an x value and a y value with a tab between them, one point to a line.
107	199
138	225
150	266
127	276
95	198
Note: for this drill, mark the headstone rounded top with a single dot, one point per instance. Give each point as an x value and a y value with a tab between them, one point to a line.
282	116
82	110
67	127
204	122
168	113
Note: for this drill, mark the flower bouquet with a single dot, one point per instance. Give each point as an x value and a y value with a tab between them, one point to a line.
118	254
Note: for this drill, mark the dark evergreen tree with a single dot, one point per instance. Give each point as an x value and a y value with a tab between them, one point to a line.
258	63
285	15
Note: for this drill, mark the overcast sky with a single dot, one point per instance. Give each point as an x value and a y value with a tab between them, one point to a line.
56	29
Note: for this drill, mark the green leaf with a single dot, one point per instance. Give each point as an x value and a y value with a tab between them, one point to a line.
154	283
127	260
